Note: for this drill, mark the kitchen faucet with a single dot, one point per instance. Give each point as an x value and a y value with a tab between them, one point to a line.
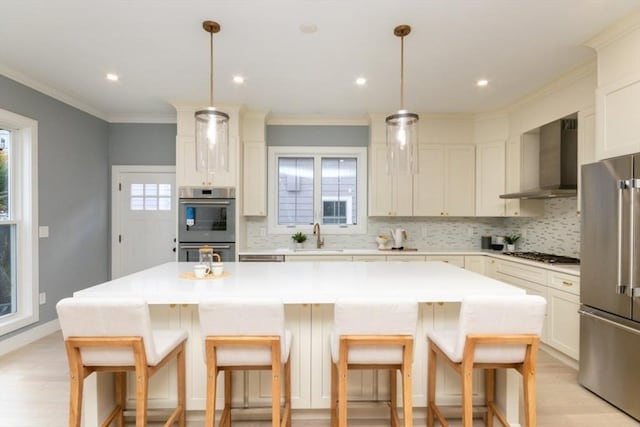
319	241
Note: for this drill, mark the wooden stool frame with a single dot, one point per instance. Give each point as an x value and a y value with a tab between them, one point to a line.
212	343
339	376
78	372
526	368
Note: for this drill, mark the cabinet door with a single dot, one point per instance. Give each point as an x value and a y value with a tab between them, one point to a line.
517	207
303	258
380	184
490	178
460	188
475	264
255	178
186	173
370	258
586	143
298	321
402	195
563	332
491	268
428	184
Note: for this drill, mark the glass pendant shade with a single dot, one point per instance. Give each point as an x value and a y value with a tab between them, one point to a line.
402	143
212	141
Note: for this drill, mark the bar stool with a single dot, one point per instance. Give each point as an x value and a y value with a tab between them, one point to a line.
246	335
492	332
115	335
373	335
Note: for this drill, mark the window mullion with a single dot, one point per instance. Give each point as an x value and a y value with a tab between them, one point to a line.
317	189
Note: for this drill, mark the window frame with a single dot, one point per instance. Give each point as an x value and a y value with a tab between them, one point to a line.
24	214
317	153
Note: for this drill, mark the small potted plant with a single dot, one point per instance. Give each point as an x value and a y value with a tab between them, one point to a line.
510	241
299	238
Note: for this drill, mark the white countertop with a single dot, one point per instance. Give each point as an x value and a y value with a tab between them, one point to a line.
304	283
563	268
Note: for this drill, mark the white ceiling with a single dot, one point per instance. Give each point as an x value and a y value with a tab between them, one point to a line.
161	52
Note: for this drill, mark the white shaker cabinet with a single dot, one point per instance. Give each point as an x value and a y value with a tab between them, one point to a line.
476	263
389	195
518	207
490	178
445	184
586	144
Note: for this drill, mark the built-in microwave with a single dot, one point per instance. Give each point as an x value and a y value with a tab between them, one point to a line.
207	215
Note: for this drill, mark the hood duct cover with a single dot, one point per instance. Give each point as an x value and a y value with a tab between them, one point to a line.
558	175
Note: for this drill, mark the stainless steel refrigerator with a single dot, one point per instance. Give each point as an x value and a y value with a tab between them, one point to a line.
610	281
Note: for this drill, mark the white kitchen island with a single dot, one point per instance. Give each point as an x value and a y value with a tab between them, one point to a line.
308	290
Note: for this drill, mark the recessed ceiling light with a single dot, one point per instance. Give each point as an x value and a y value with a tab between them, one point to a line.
238	79
308	28
112	77
482	83
361	81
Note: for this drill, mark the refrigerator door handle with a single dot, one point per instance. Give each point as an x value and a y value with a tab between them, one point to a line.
622	185
634	185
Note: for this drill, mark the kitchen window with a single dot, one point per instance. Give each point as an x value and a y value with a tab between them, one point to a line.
18	222
326	185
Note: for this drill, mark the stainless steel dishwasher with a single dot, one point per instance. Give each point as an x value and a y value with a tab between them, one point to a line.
261	258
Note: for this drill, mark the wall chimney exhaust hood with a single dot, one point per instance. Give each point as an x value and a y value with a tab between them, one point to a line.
558	173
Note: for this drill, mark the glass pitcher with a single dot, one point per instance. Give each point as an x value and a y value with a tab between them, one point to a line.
207	256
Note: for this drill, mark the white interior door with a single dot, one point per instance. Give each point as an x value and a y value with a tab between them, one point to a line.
143	223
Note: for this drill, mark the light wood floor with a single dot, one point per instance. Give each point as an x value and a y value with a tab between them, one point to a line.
34	393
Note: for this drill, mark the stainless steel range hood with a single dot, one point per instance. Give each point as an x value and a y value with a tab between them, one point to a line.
558	176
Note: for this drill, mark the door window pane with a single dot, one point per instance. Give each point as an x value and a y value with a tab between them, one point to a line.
150	197
295	190
339	195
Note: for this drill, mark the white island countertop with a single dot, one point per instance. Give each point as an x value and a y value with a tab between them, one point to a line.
304	283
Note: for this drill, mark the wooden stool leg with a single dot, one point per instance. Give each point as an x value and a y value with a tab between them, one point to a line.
287	391
228	383
212	374
75	400
393	397
275	392
407	385
121	396
182	387
334	394
489	394
342	391
142	394
467	389
529	389
431	384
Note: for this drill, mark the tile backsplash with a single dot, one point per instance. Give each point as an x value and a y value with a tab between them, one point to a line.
557	232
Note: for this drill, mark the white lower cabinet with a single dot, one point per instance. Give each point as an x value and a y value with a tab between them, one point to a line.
476	263
562	293
457	260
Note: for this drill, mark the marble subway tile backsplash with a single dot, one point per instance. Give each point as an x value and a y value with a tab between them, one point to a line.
557	232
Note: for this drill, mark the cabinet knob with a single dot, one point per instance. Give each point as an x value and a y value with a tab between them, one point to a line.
564	282
441	213
515	213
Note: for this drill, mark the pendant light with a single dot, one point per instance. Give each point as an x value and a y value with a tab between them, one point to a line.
402	126
212	126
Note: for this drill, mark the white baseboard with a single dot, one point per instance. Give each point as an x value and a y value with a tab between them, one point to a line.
34	334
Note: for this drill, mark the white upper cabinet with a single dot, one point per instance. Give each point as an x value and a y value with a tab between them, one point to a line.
586	143
389	195
618	92
515	181
445	185
186	174
254	164
490	178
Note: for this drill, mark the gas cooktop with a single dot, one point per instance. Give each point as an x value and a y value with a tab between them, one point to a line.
542	257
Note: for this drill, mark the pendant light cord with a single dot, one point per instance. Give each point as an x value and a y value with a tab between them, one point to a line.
211	72
402	73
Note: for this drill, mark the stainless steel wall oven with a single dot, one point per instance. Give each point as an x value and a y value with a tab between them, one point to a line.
207	216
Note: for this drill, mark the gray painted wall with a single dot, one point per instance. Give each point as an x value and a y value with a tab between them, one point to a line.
142	144
73	188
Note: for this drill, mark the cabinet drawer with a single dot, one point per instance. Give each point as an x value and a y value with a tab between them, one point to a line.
406	258
564	282
457	260
370	258
521	271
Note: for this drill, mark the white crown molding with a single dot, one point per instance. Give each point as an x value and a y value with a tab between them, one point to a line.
616	31
144	118
49	91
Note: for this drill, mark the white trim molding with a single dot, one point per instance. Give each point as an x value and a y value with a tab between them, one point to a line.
25	338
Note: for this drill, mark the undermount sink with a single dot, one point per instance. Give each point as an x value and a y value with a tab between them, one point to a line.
317	250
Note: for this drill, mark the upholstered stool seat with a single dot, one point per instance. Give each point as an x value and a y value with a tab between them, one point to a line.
373	335
115	335
492	332
246	335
